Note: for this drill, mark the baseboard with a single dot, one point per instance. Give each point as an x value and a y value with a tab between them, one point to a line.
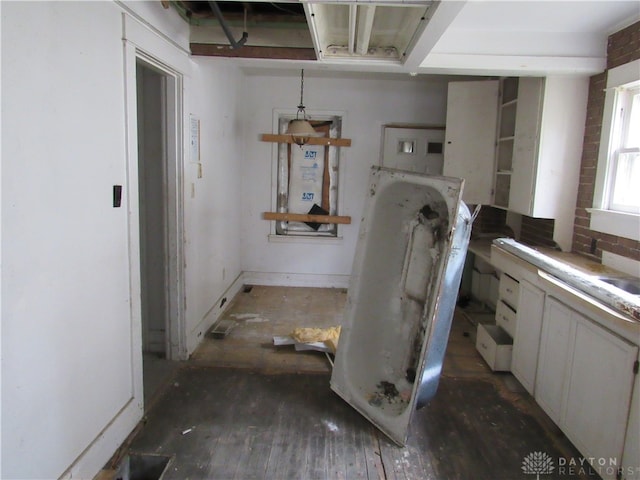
108	441
296	279
194	337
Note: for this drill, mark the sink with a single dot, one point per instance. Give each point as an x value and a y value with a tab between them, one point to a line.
629	285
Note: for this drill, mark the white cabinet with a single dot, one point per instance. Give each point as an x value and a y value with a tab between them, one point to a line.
556	342
495	342
598	392
517	143
584	381
539	149
470	135
526	340
631	455
539	143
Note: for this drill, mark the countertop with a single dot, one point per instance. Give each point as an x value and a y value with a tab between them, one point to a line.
574	270
482	247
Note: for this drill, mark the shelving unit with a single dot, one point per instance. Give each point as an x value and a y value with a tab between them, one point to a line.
508	105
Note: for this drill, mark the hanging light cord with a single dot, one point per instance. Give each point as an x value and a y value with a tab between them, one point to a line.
301	106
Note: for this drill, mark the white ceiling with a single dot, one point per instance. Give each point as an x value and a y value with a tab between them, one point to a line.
538	37
472	37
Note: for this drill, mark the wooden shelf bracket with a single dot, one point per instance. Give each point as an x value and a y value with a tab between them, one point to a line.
332	142
304	217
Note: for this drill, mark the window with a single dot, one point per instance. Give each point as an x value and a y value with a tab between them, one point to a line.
616	207
307	179
623	193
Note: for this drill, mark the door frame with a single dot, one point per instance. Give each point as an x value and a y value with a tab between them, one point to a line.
174	196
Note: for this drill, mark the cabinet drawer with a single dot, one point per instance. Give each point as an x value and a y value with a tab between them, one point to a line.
509	290
506	318
495	345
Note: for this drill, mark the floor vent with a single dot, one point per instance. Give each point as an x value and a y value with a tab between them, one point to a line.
142	466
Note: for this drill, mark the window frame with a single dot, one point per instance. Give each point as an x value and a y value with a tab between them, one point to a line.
603	217
275	234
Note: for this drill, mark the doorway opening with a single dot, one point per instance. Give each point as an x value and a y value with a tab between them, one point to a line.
160	219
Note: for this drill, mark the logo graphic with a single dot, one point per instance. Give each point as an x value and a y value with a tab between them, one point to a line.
537	463
310	154
307	196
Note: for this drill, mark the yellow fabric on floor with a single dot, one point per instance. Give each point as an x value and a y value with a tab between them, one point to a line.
329	335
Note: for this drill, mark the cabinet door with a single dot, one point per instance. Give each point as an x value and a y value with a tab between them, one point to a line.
526	341
599	388
525	145
556	343
631	454
469	151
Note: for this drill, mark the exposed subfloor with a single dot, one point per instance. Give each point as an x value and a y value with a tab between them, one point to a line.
244	409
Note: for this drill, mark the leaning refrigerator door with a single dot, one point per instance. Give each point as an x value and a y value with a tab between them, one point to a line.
404	284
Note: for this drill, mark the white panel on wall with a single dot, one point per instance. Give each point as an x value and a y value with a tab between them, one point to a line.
67	344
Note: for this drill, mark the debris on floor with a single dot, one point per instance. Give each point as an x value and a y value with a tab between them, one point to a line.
249	317
329	336
309	338
222	328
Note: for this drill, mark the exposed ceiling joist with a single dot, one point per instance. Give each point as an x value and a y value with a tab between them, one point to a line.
249	51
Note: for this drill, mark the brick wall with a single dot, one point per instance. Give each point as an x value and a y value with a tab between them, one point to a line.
490	220
537	232
623	47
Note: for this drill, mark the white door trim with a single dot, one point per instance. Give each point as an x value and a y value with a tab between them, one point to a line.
174	208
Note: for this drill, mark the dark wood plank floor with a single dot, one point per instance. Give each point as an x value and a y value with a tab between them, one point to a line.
244	409
247	425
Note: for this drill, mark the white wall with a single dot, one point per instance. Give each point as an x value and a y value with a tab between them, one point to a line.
71	365
67	334
212	202
367	104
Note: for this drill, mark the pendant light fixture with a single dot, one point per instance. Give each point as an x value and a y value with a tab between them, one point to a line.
300	129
